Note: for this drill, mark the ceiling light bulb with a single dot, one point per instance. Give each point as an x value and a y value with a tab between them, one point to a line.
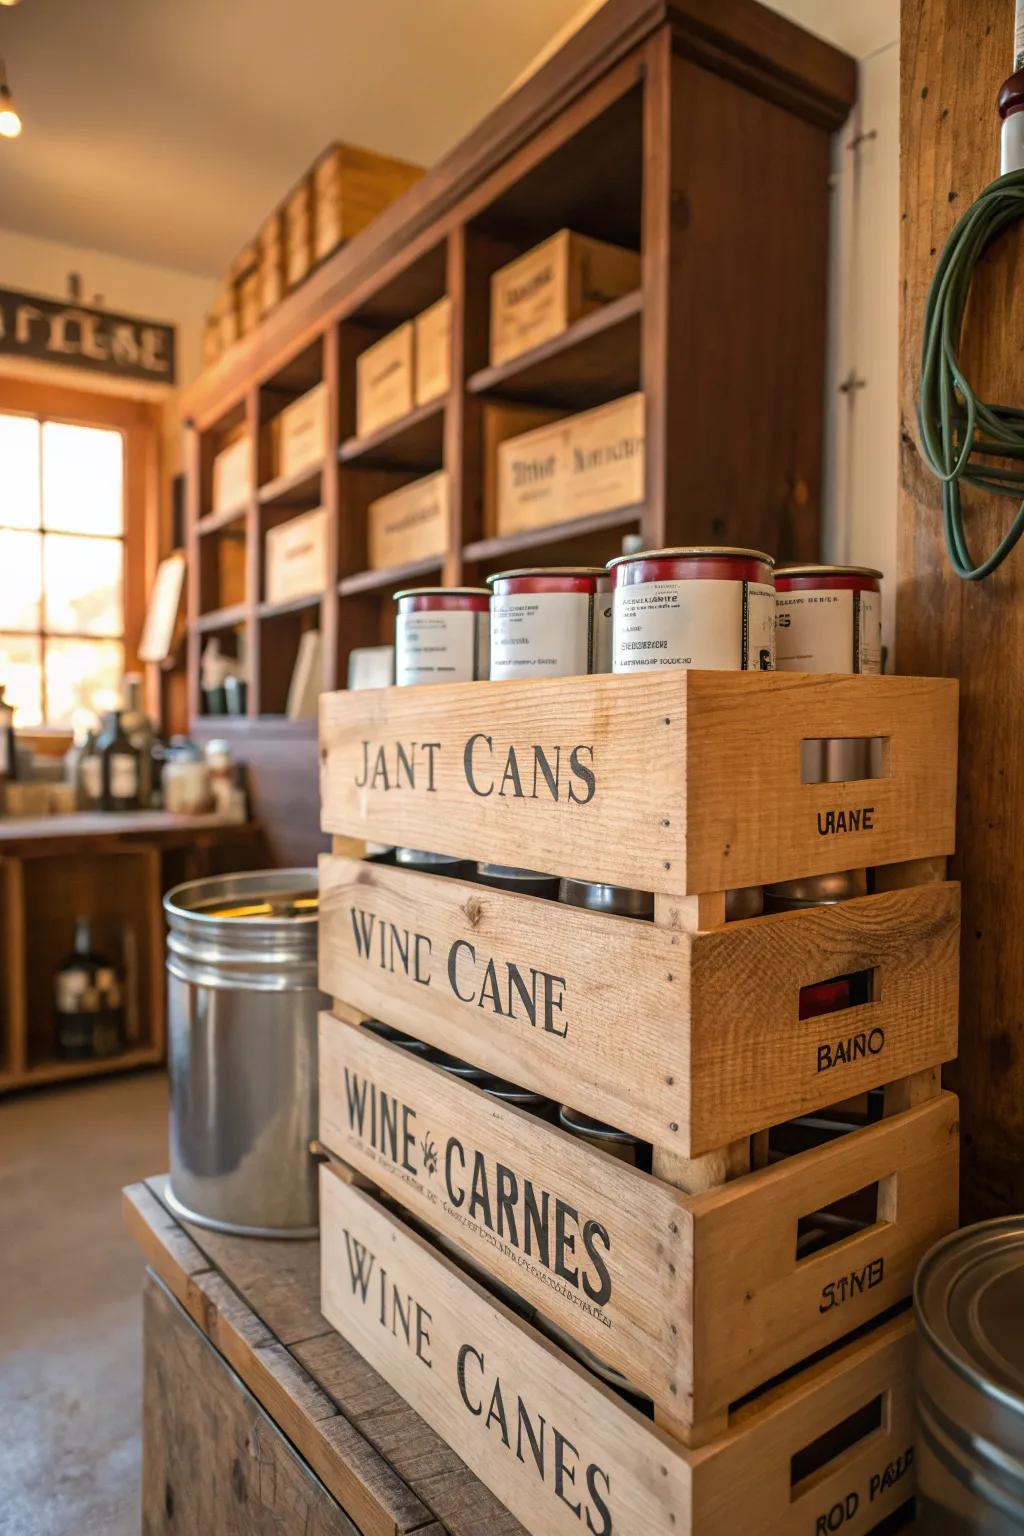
10	122
8	2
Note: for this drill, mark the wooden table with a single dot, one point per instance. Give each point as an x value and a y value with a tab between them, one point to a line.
258	1417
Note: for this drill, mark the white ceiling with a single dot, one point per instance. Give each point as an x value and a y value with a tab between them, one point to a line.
165	130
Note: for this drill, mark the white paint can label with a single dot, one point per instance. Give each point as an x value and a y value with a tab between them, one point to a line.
441	645
717	625
829	630
542	634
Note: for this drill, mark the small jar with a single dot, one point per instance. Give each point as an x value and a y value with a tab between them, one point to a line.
185	780
544	622
712	608
221	767
442	635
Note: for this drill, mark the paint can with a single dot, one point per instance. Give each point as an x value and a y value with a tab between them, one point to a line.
712	608
442	635
969	1306
617	900
524	882
620	1144
821	891
544	622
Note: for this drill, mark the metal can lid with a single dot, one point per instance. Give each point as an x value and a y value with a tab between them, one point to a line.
546	570
442	592
585	1125
695	552
827	570
618	900
969	1301
815	890
530	882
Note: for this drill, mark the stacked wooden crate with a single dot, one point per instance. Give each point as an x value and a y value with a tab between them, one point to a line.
462	1236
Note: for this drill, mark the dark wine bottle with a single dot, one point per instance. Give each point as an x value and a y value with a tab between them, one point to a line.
89	1012
120	764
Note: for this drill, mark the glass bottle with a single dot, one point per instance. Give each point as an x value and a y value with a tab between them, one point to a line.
120	766
88	1007
8	753
89	775
138	728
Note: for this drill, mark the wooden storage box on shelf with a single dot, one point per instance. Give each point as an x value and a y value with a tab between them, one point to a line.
298	434
501	420
271	263
232	474
562	1451
432	337
574	467
249	301
697	1299
296	557
542	292
385	387
227	314
298	232
409	524
351	186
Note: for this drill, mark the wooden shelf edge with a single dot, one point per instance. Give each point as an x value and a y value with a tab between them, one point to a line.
287	485
354	448
213	521
68	1071
608	318
290	605
552	533
370	581
222	618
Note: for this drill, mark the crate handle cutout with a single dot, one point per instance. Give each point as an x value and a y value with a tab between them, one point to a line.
823	1456
836	994
852	1216
844	759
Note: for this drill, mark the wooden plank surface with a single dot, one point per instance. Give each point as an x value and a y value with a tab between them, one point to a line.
695	1299
161	826
384	1465
658	1032
676	781
213	1459
954	56
557	1446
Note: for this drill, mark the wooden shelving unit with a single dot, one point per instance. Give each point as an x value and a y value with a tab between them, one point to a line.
698	139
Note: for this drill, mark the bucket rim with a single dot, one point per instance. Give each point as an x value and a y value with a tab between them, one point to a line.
175	907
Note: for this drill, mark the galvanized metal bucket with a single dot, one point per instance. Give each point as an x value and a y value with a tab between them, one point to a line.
969	1302
242	1015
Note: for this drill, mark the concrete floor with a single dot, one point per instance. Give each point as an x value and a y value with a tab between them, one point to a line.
70	1314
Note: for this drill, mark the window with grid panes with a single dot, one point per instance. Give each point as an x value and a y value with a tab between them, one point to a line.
61	567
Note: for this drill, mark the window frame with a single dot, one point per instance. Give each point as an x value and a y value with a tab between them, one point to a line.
138	421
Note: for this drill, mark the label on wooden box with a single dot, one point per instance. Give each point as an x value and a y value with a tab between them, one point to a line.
433	330
576	467
296	557
232	474
299	432
542	292
409	524
564	1453
384	380
502	420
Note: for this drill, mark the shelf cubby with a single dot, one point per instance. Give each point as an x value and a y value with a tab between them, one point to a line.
592	361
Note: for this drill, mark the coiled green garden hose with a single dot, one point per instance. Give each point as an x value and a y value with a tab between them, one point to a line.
959	431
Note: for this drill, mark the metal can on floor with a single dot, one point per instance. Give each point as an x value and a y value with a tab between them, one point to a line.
969	1308
544	622
706	607
242	1010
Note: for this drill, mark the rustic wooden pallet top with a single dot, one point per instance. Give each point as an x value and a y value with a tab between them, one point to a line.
164	827
258	1302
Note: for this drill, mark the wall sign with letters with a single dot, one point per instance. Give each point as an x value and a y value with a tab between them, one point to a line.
75	336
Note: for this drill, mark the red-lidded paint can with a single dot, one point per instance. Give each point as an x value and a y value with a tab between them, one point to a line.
544	622
828	618
820	891
442	635
694	607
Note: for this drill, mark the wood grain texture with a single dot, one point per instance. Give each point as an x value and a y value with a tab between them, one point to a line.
678	782
686	1040
213	1458
404	1472
954	54
467	1343
695	1299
